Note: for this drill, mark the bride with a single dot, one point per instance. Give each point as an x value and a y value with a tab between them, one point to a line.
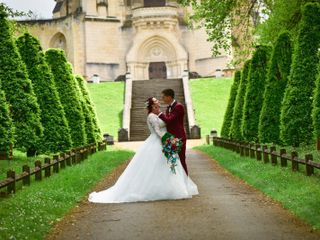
148	176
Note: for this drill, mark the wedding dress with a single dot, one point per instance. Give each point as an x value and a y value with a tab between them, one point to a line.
148	176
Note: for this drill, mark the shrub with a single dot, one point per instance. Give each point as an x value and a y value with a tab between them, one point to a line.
56	130
269	122
254	93
6	127
296	121
68	94
226	126
92	128
18	91
235	129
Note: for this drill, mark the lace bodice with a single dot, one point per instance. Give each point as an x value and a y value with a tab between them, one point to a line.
156	125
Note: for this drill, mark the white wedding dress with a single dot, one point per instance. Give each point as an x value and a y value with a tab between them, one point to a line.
148	176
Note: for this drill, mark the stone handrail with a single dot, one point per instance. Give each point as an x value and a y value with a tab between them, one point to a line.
127	104
188	100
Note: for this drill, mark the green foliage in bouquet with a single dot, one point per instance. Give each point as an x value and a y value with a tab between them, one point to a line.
254	93
56	136
92	128
235	129
279	70
296	120
18	90
226	126
68	93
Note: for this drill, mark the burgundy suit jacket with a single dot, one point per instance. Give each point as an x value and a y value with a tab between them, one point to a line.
174	120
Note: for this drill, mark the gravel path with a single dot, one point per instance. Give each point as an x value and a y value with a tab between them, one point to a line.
225	209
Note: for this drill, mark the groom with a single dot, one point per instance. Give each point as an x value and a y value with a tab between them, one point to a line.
174	120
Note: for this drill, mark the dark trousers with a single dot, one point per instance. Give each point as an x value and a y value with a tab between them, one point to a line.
182	156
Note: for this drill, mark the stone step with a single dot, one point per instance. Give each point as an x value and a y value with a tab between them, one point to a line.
141	90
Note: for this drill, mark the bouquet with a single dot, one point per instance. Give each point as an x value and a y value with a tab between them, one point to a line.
171	146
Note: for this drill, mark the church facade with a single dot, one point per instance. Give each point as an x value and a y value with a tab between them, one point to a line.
113	38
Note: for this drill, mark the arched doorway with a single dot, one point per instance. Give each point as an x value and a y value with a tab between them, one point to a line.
157	70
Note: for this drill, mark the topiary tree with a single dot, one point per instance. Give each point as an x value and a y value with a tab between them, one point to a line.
18	91
316	111
296	121
225	130
6	126
254	93
56	130
235	129
92	127
68	94
269	123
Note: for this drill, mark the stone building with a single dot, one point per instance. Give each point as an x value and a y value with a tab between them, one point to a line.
111	38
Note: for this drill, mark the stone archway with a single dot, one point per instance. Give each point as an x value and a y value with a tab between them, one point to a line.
156	48
59	41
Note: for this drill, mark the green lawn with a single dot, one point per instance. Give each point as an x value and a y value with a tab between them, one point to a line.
210	99
295	191
108	99
31	212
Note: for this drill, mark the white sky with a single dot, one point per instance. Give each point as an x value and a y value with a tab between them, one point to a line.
42	8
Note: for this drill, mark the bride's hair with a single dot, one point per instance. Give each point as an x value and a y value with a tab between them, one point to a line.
149	103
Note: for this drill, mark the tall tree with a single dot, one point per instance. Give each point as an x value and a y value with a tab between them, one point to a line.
254	93
68	93
235	129
18	91
316	110
92	128
226	126
296	120
56	130
279	70
6	126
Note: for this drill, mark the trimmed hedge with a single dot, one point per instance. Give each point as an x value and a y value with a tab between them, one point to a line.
57	136
6	126
254	93
226	126
296	120
92	129
279	70
68	93
235	129
18	91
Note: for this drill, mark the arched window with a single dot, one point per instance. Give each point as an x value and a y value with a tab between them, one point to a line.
154	3
59	41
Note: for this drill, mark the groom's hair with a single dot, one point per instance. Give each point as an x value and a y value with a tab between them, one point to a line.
168	92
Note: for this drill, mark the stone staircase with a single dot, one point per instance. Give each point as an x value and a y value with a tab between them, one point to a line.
141	91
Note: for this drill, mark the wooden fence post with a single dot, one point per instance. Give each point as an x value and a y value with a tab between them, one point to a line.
38	173
242	149
247	149
309	167
11	188
295	164
252	155
47	170
26	179
56	163
258	152
265	154
273	153
68	158
283	159
62	160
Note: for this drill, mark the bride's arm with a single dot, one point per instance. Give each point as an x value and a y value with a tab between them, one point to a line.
155	124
